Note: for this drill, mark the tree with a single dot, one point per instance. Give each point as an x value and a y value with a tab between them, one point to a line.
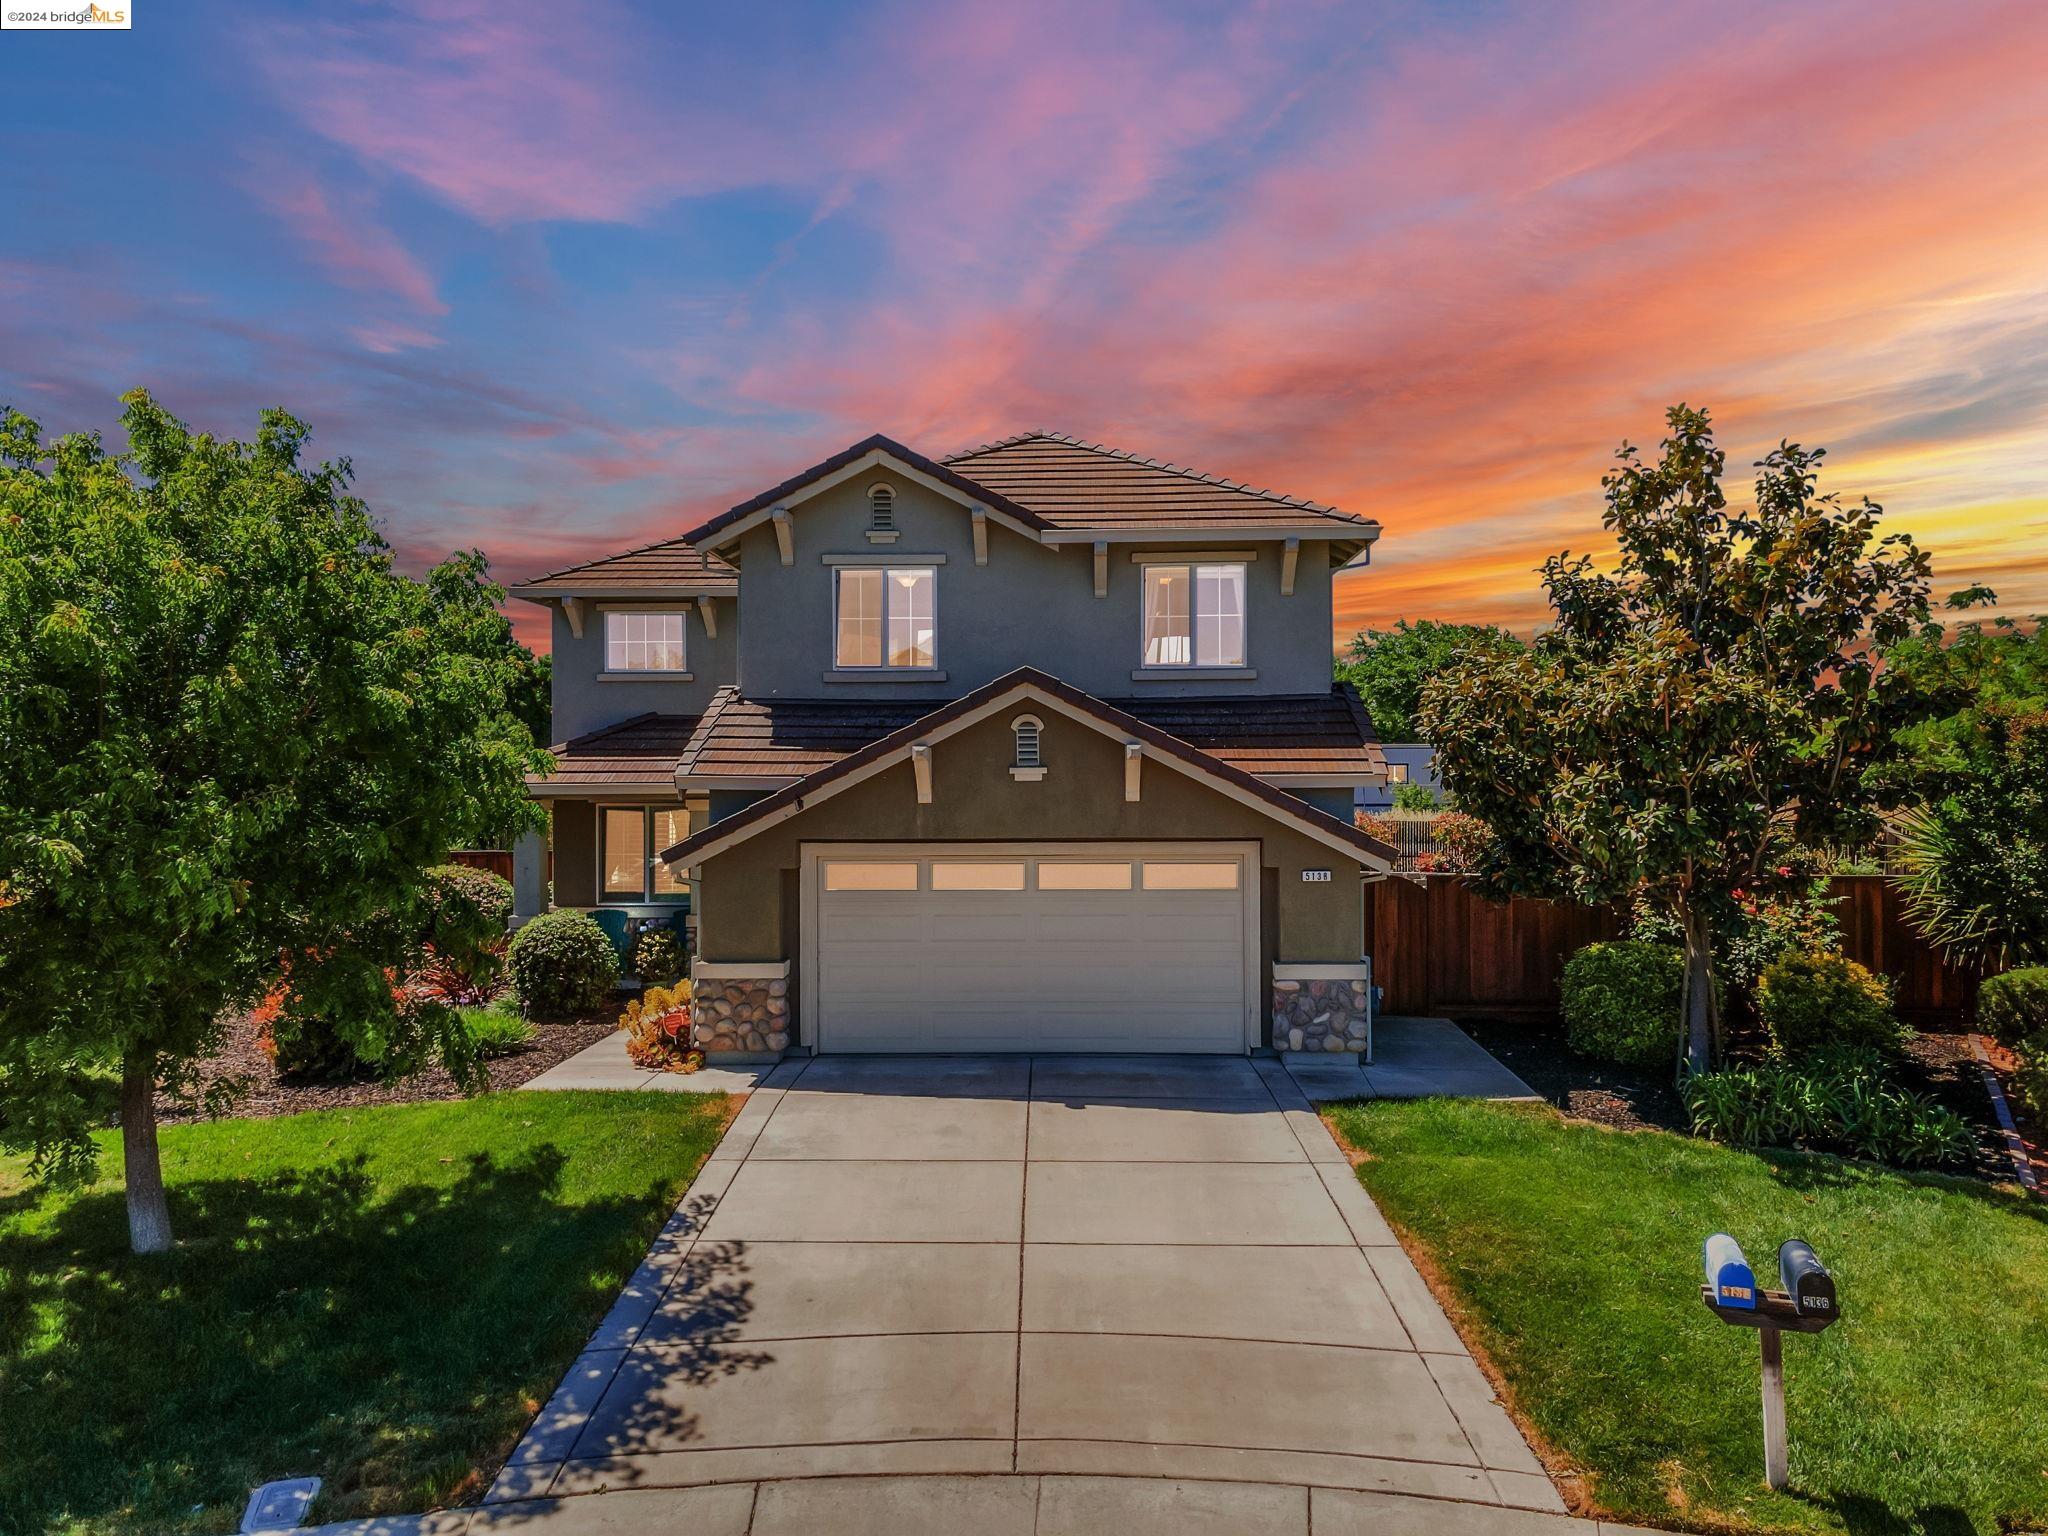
230	734
1389	666
1699	713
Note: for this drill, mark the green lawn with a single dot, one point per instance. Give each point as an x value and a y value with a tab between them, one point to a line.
1574	1251
380	1296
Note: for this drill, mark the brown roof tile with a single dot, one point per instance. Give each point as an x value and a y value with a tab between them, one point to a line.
671	565
1319	734
642	750
1072	484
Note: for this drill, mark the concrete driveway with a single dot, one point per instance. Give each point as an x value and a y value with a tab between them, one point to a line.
1112	1267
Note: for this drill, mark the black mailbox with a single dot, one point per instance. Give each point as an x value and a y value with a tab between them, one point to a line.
1809	1286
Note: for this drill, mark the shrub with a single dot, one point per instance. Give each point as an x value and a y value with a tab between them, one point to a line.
562	964
1621	1002
658	957
2013	1005
1842	1101
1414	797
496	1030
657	1026
1762	929
2030	1081
467	912
1812	1002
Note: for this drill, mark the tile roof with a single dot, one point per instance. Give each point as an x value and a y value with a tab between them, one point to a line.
670	565
642	750
1324	734
1073	484
792	797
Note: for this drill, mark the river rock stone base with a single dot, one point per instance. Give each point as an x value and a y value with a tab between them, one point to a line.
1328	1016
742	1015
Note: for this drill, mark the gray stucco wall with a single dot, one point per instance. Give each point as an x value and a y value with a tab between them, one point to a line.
585	699
1031	605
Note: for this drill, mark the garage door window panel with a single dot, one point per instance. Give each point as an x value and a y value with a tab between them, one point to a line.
1190	877
1084	876
948	875
850	875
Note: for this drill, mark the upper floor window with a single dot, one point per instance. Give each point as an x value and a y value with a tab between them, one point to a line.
1194	616
885	617
643	642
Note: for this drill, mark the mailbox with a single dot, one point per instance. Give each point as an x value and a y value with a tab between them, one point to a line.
1730	1282
1808	1284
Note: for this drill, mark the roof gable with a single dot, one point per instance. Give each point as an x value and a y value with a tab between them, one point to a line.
1049	692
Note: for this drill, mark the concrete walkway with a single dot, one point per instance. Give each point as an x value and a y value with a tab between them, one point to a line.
606	1065
1412	1058
1040	1275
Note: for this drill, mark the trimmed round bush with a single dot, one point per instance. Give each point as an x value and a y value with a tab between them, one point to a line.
2013	1005
466	906
1622	1002
1812	1002
562	965
657	957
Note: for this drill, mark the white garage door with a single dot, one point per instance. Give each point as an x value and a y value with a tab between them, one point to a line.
1070	947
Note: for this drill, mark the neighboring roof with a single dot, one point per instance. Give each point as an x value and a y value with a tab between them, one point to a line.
1029	681
1319	735
1303	735
1072	484
874	443
670	566
639	751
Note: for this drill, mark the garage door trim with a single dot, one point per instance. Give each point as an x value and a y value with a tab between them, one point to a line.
811	1016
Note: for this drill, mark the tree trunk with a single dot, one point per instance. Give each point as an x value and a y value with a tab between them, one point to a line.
149	1214
1702	1015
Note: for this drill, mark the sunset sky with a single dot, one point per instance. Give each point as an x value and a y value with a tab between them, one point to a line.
562	279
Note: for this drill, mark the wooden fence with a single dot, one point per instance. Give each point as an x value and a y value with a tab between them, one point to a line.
497	860
1439	947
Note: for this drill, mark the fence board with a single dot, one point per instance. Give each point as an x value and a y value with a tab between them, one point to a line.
1439	947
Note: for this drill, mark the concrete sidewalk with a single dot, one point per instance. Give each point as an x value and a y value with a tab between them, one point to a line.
1412	1058
998	1505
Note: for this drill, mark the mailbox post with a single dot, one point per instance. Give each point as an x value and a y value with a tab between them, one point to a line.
1806	1304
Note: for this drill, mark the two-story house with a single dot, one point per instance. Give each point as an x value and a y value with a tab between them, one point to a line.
1034	747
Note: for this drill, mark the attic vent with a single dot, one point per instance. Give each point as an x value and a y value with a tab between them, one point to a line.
1027	764
882	509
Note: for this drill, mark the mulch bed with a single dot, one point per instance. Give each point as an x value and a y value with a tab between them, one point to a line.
264	1093
1938	1065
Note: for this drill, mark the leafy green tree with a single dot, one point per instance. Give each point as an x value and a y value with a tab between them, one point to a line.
1389	666
1973	861
231	734
1701	710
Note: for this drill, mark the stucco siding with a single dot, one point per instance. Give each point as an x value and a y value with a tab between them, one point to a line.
575	843
746	912
1031	605
585	699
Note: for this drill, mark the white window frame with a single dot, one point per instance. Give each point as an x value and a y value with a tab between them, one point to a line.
648	855
682	621
886	572
1192	570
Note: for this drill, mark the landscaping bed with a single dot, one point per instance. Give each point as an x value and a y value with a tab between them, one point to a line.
381	1296
241	1059
1569	1255
1940	1066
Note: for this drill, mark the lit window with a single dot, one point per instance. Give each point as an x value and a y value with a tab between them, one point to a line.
631	838
1397	773
886	618
950	875
1194	615
1190	877
841	875
1084	877
643	642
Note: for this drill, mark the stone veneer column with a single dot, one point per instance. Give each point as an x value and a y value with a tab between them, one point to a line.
1323	1006
740	1007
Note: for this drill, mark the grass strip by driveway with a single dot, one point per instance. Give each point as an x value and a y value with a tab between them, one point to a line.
381	1296
1573	1252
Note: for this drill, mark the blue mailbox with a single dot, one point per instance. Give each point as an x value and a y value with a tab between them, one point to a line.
1731	1283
